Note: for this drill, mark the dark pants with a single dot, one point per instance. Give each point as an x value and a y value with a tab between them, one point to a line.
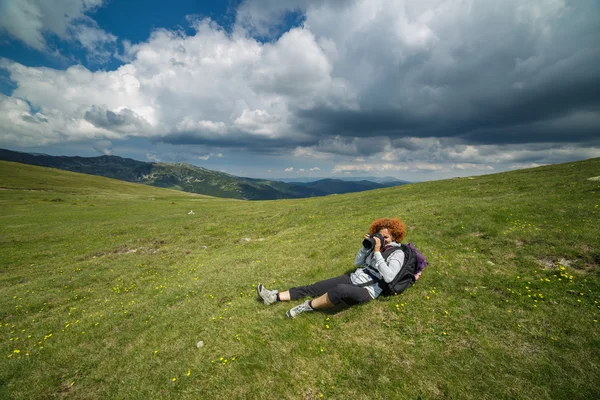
339	290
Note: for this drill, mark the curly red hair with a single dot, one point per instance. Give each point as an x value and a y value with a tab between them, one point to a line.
396	227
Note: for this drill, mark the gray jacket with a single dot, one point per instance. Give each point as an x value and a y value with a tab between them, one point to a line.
378	267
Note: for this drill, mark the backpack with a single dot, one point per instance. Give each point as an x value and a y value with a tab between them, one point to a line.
414	264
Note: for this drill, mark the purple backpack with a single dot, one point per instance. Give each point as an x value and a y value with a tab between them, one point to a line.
421	261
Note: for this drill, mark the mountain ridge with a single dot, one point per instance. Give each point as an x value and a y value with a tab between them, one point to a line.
187	177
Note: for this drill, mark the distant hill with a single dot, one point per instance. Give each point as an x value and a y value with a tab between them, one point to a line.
339	186
179	176
190	178
386	180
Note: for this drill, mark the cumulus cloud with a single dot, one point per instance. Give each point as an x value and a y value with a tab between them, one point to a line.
103	147
409	85
412	167
122	121
99	44
205	157
29	21
152	157
22	126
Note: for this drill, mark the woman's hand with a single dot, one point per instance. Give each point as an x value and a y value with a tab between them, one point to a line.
377	246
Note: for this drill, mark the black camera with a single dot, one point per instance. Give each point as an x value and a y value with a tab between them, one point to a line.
369	242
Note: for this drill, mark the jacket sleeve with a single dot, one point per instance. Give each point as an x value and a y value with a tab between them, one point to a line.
361	256
389	269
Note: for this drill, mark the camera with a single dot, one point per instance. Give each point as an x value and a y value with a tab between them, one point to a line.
369	242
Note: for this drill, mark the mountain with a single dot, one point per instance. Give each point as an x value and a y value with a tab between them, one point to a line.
190	178
386	180
339	186
180	176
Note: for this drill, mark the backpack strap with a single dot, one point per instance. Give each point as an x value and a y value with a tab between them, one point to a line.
386	253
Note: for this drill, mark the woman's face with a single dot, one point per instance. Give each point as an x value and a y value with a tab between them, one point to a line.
386	235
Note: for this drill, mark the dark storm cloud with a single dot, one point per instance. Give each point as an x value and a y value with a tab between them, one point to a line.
108	119
495	114
123	121
238	140
520	73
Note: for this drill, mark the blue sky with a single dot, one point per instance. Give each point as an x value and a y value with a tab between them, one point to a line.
417	90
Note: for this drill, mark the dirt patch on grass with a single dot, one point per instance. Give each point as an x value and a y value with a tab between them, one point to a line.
117	251
549	263
588	263
122	250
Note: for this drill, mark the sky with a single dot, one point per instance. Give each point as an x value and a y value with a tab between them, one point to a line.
415	90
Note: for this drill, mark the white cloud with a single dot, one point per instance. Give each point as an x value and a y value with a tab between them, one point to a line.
525	165
99	43
103	147
289	169
340	168
30	20
152	157
22	127
209	156
307	152
211	86
472	166
203	127
260	123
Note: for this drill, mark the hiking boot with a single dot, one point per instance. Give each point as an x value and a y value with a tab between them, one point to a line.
268	296
299	309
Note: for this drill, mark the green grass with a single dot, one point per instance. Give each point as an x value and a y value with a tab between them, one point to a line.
107	286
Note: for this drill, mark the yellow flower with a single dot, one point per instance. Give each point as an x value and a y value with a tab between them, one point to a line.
326	326
188	373
174	379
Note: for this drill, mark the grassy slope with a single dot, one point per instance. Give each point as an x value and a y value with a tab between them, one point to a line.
106	286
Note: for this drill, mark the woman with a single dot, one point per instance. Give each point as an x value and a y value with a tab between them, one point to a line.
357	287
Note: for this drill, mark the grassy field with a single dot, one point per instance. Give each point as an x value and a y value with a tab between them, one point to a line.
106	287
